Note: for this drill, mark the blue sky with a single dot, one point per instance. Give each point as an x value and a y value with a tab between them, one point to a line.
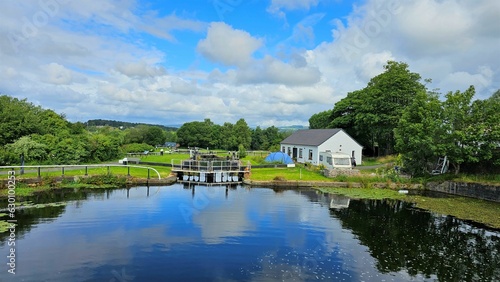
273	62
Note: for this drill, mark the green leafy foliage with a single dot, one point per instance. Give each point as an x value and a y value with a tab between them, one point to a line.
136	147
320	120
30	149
371	114
228	136
151	135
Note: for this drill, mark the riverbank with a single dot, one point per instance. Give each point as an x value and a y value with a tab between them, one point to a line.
30	186
336	184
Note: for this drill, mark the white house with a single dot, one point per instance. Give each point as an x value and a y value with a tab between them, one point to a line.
304	146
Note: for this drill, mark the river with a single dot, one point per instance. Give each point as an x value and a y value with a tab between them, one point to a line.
219	233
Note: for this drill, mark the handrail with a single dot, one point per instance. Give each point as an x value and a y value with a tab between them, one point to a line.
88	165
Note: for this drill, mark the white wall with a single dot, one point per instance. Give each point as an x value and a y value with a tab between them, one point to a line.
341	142
305	153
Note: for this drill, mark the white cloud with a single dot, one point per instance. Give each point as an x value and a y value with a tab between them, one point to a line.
56	74
271	70
98	57
228	46
139	69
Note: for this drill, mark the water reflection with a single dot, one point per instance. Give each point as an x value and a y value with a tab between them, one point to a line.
219	233
400	237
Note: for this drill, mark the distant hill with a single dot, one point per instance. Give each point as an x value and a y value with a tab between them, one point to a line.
292	127
124	124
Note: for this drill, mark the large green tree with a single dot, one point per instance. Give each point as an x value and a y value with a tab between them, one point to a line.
419	133
466	131
371	114
320	120
464	128
243	134
18	118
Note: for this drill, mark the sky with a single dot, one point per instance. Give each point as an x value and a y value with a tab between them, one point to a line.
270	62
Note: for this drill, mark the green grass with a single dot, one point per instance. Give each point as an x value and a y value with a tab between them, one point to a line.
119	170
468	178
166	158
288	173
370	161
314	174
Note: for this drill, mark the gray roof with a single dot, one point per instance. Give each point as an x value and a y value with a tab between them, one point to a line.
310	137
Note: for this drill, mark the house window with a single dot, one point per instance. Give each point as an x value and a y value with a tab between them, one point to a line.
310	155
289	151
283	149
300	153
320	158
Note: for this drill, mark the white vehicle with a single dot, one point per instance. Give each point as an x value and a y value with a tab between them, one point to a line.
335	160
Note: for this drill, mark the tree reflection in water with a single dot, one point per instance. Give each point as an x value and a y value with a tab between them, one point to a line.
400	236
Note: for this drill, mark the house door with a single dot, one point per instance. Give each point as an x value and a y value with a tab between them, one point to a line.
294	155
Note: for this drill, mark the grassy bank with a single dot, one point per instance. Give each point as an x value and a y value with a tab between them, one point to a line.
50	182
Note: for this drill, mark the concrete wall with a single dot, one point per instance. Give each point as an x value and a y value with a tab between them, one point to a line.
336	172
473	190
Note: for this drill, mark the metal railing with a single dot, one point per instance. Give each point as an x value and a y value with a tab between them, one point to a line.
206	166
62	167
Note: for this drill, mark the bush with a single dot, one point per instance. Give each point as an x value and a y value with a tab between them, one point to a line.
279	178
137	147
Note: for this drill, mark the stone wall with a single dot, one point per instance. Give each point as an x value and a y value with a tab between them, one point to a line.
473	190
336	172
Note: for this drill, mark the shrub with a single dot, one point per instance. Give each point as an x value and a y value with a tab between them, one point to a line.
137	147
279	178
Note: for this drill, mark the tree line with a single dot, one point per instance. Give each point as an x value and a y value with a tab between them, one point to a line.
396	114
238	136
44	137
124	124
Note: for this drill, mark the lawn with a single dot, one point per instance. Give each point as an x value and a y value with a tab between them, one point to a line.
114	170
287	173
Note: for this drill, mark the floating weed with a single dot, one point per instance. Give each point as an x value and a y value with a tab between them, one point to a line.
484	212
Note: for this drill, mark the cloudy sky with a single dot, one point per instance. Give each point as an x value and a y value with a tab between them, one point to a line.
271	62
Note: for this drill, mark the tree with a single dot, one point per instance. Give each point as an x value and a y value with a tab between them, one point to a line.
154	136
463	138
320	120
273	137
195	134
70	150
419	133
242	133
371	114
30	149
102	147
18	118
258	139
228	140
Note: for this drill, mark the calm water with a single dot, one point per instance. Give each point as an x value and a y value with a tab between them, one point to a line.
212	234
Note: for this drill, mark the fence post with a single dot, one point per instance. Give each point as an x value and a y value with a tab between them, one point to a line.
86	170
128	170
62	171
108	169
39	176
148	173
